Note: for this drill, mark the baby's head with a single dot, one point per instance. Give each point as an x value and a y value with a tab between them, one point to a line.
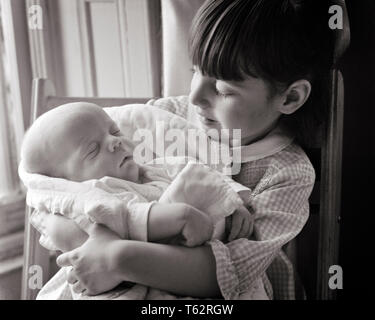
78	141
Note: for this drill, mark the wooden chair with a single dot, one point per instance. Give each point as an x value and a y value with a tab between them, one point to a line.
318	244
44	99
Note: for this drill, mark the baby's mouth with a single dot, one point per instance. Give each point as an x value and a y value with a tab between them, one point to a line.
126	158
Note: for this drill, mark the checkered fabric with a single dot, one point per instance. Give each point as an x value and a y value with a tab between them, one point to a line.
281	184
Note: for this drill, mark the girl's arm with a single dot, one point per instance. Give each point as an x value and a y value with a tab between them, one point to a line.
105	260
180	270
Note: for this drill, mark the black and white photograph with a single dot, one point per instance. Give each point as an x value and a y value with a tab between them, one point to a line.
198	152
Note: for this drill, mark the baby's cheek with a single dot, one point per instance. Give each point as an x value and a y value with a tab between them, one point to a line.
100	169
90	170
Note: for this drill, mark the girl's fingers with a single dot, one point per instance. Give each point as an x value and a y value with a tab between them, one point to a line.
236	227
72	278
244	229
78	287
228	224
68	258
63	260
251	227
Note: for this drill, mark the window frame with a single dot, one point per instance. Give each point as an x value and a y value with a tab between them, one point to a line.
16	45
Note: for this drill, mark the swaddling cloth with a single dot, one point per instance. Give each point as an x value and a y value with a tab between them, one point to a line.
123	206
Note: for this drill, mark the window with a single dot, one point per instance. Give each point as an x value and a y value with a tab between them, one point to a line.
7	151
14	96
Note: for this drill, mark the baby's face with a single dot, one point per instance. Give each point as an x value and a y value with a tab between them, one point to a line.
89	145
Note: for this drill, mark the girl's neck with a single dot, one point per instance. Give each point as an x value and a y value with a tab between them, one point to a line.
252	139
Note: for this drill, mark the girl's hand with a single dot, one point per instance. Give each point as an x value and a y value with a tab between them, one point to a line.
240	224
94	263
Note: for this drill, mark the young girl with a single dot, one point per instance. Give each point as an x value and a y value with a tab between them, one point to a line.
259	66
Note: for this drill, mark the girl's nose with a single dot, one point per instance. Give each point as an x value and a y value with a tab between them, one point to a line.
114	144
199	92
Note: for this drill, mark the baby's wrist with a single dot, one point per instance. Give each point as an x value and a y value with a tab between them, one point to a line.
120	257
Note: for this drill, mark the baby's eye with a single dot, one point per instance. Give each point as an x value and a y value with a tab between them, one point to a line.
94	149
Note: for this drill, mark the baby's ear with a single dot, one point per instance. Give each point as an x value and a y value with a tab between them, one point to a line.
295	96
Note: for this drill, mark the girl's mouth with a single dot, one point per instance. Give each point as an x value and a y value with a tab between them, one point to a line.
205	120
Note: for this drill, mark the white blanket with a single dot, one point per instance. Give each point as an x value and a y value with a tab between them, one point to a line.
123	207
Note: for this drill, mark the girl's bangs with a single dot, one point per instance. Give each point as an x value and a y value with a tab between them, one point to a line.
219	43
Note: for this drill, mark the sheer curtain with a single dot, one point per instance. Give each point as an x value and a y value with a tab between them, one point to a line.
15	81
8	159
177	16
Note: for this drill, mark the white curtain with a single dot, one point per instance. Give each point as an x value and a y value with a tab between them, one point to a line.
177	16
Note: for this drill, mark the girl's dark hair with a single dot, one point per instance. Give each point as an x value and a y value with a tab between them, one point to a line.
280	41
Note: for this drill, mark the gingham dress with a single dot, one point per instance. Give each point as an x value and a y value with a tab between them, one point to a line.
281	178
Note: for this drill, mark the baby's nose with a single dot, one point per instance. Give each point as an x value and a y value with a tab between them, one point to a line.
115	144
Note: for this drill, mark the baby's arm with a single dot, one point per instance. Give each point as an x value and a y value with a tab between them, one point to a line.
64	232
177	221
180	222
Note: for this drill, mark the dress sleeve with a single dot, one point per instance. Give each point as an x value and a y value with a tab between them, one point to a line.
280	205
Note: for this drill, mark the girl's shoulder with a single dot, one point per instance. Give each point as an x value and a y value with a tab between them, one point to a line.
291	163
291	156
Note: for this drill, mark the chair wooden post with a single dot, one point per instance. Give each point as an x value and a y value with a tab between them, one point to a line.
331	163
329	221
36	258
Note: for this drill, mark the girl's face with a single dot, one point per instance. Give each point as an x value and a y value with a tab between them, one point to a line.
246	105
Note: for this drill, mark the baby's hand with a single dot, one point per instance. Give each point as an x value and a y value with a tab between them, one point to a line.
198	227
240	224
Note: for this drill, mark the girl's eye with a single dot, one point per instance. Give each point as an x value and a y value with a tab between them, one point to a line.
115	131
221	94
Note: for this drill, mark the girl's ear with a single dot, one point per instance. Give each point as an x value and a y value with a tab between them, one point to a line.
295	96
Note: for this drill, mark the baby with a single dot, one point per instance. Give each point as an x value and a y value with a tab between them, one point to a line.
80	142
